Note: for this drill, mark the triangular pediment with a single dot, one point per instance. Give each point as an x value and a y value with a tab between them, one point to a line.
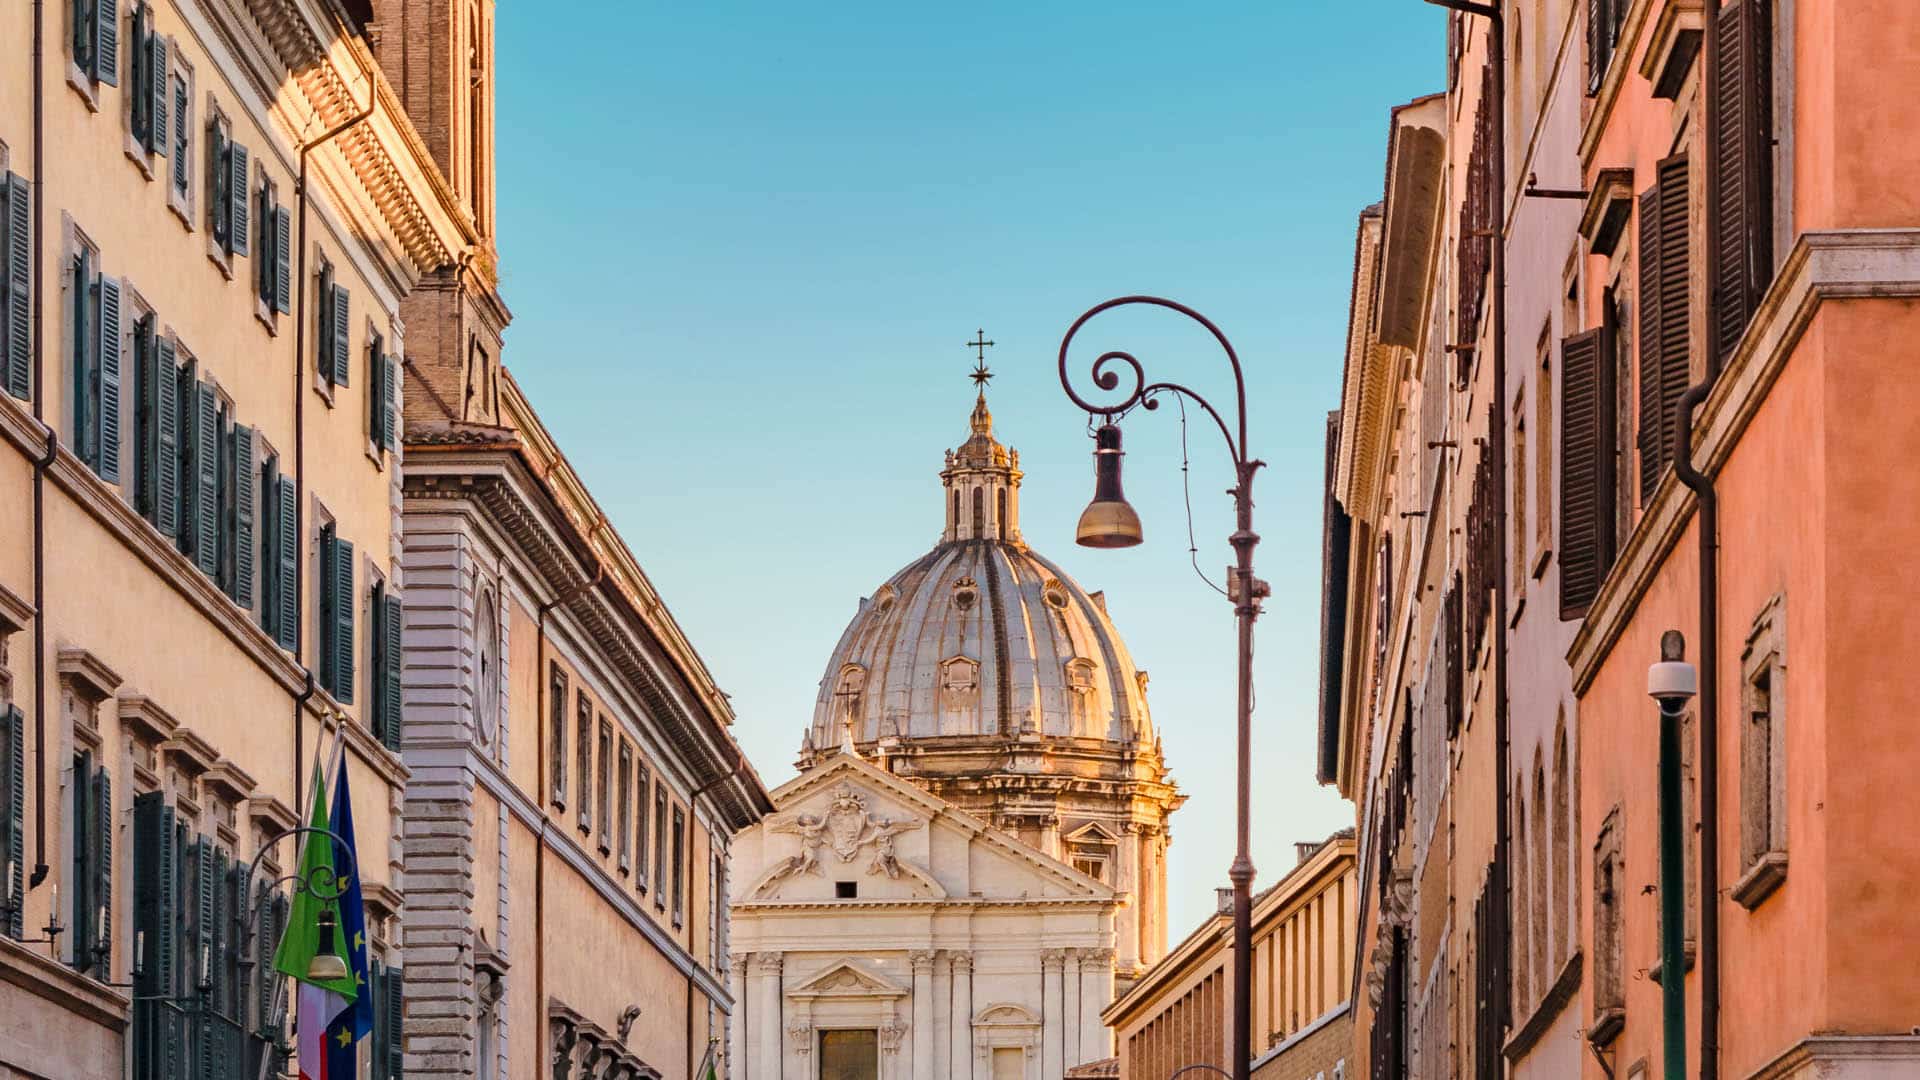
815	839
1095	831
847	979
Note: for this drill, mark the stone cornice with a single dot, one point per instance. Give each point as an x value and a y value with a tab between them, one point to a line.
53	981
15	613
1883	263
146	718
973	903
87	673
1618	68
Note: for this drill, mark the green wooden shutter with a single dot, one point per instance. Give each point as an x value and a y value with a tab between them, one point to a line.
166	430
13	752
19	287
266	939
243	515
282	260
106	42
323	340
206	483
338	349
341	628
157	86
203	961
101	790
181	119
80	880
393	993
287	557
147	823
389	401
107	356
239	196
390	626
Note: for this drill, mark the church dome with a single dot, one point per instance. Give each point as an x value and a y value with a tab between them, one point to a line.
982	636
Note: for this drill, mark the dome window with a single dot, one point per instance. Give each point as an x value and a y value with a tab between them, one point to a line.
1080	675
965	594
1055	595
960	675
884	598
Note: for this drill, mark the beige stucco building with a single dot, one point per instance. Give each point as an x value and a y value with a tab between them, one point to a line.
1180	1012
973	855
201	559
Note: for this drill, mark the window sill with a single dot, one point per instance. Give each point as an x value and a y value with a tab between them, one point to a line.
1686	963
180	205
1607	1025
83	85
141	157
219	257
1540	562
264	312
1565	988
27	968
1767	873
324	390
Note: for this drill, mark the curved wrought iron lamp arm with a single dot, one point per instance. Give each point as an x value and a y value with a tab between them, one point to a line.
321	886
1143	392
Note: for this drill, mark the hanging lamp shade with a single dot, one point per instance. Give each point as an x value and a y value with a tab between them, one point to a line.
1109	520
327	966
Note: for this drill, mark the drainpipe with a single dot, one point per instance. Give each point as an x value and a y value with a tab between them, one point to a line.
1708	503
540	681
40	466
300	409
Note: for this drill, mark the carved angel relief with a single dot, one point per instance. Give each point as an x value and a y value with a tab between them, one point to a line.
847	828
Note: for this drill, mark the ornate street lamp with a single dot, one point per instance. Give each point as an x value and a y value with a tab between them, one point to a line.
1109	521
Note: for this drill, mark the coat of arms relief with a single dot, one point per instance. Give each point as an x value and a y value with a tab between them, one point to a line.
845	829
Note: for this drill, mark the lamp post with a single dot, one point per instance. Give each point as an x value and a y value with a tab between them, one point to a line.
1672	683
1109	521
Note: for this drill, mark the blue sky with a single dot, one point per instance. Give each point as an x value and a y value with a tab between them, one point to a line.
743	245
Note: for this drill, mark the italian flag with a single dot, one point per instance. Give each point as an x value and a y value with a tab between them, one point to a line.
318	1002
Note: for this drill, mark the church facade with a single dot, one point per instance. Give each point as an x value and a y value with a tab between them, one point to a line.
972	858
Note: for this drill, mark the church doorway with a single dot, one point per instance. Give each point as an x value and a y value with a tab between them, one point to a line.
850	1055
1009	1063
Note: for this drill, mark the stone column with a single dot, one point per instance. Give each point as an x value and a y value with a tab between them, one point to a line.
737	1023
1053	1026
1096	993
960	1030
1070	1009
765	1010
942	1012
1128	881
922	1014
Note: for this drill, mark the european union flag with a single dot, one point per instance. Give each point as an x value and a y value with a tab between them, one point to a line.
348	1028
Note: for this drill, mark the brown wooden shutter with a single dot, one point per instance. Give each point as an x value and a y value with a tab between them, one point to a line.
1676	308
1665	317
1648	429
1741	131
1455	661
1583	442
1383	605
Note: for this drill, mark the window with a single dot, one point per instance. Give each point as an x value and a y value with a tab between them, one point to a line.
389	1010
584	749
1543	456
273	273
605	786
199	480
1665	318
625	797
239	511
1743	77
95	362
229	192
180	176
660	845
1603	36
331	344
1587	465
557	738
156	427
643	788
337	600
979	513
1609	932
388	621
149	84
90	887
16	284
679	866
1518	571
846	890
13	793
486	706
95	41
383	371
1763	764
1092	867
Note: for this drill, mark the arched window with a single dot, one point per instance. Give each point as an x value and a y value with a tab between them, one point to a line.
1562	844
1544	893
953	518
1522	903
979	513
487	671
1002	519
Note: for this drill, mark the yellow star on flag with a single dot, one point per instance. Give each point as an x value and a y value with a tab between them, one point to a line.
359	941
345	1038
